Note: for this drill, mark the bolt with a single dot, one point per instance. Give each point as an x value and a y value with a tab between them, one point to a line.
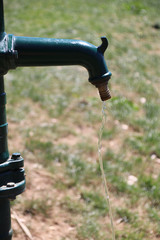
10	184
15	156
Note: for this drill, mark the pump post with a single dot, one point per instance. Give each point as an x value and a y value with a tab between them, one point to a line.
5	216
5	219
12	180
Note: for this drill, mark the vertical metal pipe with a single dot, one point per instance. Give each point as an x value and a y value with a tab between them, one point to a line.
1	84
5	220
1	18
4	154
5	215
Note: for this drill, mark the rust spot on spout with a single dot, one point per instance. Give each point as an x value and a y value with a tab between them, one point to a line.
104	91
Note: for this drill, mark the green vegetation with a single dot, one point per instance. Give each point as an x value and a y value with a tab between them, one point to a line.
54	116
37	206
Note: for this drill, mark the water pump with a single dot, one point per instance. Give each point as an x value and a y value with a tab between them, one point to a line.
27	51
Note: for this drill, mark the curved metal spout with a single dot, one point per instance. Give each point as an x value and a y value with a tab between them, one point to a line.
28	51
56	52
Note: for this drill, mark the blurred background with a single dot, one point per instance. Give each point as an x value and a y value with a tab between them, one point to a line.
54	116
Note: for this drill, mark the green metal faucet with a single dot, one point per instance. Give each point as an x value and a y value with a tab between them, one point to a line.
27	51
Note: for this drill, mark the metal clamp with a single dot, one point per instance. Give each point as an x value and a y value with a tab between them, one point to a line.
12	177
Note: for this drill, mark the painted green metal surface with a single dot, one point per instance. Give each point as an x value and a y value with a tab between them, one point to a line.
53	52
5	221
12	179
4	154
1	18
27	51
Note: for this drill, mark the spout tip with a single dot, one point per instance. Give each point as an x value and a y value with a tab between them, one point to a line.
104	92
102	84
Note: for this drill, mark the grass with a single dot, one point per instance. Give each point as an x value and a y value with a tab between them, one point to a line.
37	206
89	230
54	116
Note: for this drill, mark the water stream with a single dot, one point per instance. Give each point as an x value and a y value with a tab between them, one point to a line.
102	169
